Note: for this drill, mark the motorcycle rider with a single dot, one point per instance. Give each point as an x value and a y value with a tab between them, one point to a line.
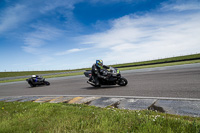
97	69
36	78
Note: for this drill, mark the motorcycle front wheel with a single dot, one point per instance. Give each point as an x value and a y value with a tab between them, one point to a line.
46	83
123	82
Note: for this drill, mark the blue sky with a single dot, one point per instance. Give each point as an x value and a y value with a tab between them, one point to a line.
70	34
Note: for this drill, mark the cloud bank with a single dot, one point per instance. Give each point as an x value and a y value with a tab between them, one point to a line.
150	36
12	17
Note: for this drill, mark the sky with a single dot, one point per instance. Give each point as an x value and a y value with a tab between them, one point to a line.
71	34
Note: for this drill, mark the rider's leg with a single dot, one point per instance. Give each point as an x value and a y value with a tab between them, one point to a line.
96	80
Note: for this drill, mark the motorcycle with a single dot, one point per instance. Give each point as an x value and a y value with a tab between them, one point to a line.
113	77
36	81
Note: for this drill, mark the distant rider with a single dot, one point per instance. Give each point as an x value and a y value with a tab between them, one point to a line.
97	72
36	78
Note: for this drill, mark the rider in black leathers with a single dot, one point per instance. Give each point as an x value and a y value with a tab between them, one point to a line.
97	72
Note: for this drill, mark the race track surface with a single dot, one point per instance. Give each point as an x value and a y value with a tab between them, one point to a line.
176	82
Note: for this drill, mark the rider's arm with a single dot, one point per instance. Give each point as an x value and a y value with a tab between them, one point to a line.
101	76
106	67
97	72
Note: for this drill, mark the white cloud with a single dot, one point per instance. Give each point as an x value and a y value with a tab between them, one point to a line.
50	5
71	51
34	40
137	38
12	17
114	1
186	7
182	5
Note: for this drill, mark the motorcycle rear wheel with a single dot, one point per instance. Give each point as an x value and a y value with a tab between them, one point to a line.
97	86
32	85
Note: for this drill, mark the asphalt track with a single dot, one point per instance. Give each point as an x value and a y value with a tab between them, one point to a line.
174	82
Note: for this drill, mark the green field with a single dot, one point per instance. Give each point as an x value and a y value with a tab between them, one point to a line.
73	118
165	60
27	73
161	65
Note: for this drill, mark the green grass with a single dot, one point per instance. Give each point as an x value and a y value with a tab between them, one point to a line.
73	118
178	58
50	76
27	73
161	65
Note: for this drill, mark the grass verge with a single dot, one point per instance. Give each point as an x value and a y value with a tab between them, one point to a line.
161	65
74	118
50	76
165	60
27	73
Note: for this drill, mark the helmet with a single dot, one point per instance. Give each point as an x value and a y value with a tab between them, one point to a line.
99	63
33	76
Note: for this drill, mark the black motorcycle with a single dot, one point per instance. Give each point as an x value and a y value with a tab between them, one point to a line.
36	81
113	77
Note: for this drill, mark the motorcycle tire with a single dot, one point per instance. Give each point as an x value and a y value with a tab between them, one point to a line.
46	83
97	86
32	85
123	82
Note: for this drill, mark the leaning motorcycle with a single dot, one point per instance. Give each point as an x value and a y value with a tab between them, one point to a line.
33	82
113	77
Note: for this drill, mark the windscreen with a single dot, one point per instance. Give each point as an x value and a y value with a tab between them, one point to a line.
113	70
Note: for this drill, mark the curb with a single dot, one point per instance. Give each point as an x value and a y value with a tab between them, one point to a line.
178	106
